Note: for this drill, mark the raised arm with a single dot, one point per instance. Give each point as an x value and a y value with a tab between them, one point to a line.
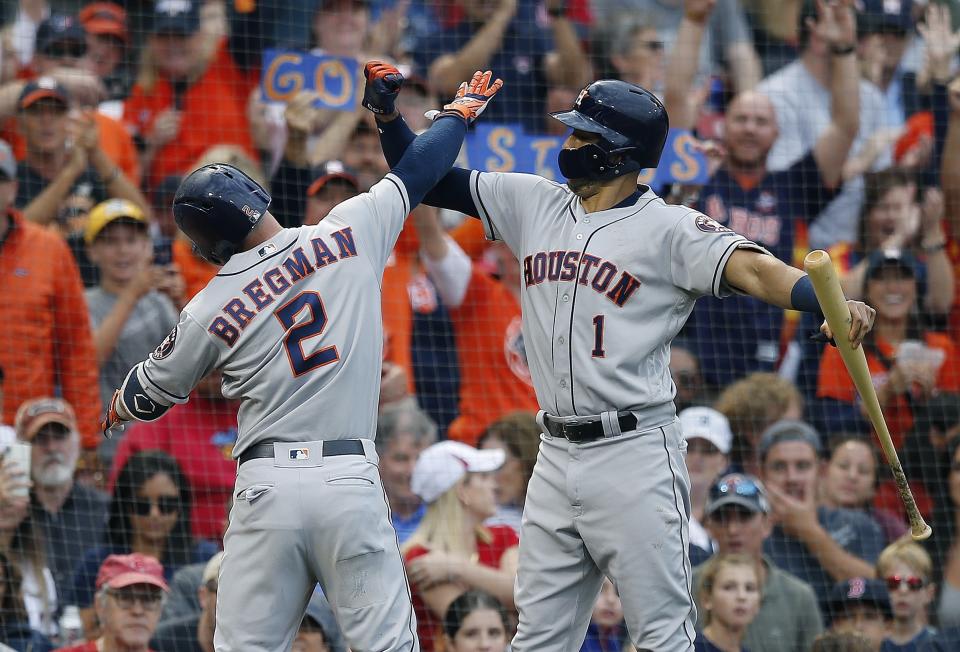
837	25
567	65
448	69
683	63
383	85
950	163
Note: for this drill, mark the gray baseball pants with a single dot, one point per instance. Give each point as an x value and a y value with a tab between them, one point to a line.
296	522
617	507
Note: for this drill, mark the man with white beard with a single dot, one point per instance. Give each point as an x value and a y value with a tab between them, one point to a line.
72	516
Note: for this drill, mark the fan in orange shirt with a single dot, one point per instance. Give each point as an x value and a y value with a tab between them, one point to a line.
46	340
908	364
61	51
494	377
192	94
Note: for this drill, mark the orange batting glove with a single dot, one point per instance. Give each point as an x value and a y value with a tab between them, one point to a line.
112	419
471	98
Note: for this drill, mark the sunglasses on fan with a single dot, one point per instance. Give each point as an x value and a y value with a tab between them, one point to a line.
165	505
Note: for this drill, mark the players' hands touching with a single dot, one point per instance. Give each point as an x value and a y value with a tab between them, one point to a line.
433	569
836	22
798	517
861	323
471	98
698	11
383	84
165	128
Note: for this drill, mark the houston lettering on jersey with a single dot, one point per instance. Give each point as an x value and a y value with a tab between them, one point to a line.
262	290
595	272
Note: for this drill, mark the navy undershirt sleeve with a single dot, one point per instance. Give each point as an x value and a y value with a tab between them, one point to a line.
803	297
452	191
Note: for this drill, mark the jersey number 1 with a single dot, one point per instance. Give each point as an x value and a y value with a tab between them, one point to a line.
598	351
312	327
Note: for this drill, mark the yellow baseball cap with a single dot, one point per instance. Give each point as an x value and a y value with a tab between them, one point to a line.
109	211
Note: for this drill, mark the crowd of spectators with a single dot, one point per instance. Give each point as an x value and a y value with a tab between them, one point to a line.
831	125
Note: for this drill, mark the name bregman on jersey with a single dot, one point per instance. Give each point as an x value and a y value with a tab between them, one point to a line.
263	290
595	272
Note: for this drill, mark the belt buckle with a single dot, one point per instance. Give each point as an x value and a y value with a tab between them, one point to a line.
568	428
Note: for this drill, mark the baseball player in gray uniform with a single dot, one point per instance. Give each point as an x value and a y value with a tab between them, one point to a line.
610	275
293	321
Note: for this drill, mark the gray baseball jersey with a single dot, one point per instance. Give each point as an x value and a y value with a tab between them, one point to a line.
603	294
295	325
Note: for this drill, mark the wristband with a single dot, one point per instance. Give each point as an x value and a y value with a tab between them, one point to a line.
803	297
842	50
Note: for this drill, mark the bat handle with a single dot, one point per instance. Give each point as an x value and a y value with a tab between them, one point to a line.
919	529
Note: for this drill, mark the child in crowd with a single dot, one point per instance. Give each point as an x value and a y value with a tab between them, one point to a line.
130	310
607	632
729	592
861	606
475	622
907	570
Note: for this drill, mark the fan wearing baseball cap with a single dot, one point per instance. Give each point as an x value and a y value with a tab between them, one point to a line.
63	153
107	38
738	518
861	605
452	551
709	439
130	595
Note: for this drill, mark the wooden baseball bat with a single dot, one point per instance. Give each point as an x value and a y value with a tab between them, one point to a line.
826	284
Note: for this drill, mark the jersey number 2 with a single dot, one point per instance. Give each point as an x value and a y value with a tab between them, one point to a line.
312	327
598	351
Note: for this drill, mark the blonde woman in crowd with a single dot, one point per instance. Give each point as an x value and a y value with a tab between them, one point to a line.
451	551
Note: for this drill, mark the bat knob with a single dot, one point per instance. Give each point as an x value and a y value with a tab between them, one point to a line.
923	534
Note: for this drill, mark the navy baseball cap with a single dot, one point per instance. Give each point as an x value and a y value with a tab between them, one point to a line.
883	258
176	17
789	430
885	17
61	35
42	88
858	590
738	489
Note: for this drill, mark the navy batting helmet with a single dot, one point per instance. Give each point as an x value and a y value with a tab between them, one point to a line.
631	122
217	206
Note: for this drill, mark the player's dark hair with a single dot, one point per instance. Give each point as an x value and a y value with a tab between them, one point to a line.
142	466
465	605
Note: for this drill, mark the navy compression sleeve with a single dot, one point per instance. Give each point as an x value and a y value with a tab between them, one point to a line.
452	191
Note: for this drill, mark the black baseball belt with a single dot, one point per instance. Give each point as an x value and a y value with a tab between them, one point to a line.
586	429
331	448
